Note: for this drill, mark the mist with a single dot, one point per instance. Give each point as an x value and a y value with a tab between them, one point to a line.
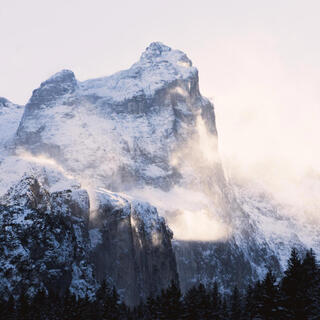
269	130
189	213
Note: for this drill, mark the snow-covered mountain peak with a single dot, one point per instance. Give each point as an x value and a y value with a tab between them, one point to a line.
155	49
157	52
58	85
128	126
3	102
62	77
158	67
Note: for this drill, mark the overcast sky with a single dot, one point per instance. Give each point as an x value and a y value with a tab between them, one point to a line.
257	60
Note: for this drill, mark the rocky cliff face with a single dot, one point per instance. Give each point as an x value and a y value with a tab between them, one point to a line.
131	245
49	241
149	133
44	239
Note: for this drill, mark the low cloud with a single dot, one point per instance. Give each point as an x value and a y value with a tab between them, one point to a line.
190	214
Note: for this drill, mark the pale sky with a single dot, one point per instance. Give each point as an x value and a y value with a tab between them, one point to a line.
257	60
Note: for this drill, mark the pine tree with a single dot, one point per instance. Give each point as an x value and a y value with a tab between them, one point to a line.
101	296
236	308
170	303
23	306
216	302
69	306
291	293
201	304
38	306
111	310
310	286
3	306
270	297
54	307
139	312
190	303
152	308
8	311
101	293
204	303
249	304
85	310
224	313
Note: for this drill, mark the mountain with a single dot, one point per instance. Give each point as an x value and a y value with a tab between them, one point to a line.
95	172
126	127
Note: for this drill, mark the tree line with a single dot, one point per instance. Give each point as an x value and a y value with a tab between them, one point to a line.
295	295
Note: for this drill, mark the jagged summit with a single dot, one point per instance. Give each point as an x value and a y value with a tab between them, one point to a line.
3	101
58	85
155	49
63	75
159	66
157	52
64	78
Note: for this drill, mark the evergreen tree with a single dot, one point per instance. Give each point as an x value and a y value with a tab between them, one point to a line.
216	302
236	308
84	309
291	293
3	307
270	297
8	309
54	307
310	286
224	313
38	306
170	302
100	297
204	307
23	306
199	304
111	310
102	292
140	312
152	308
69	306
249	304
257	300
190	304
